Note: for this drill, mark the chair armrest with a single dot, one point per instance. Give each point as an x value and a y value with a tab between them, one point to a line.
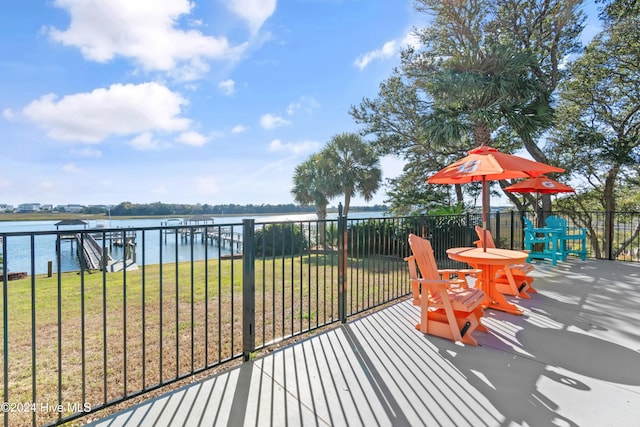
446	282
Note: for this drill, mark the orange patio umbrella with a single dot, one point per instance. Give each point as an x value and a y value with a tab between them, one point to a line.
484	164
539	185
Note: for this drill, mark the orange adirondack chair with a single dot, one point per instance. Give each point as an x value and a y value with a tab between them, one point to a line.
514	279
449	307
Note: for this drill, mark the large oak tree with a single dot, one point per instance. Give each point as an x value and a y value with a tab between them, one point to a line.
485	72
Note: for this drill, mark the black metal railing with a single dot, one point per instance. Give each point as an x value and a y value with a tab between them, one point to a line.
171	302
610	235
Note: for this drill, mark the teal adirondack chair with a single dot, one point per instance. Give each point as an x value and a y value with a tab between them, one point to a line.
573	240
547	238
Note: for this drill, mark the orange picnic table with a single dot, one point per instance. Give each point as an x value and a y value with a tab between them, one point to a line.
490	260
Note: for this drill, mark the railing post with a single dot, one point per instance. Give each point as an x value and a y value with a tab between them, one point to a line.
512	228
5	330
609	231
248	288
498	229
342	265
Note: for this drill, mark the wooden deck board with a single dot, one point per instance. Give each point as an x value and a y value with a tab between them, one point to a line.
542	368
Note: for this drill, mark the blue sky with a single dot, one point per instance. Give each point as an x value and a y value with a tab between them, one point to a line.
202	101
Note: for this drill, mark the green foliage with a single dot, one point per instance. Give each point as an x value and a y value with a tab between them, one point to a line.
280	240
375	237
448	231
311	185
485	71
352	168
410	192
458	209
599	134
347	166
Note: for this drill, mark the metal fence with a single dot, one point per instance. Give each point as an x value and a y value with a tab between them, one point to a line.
170	302
167	303
620	242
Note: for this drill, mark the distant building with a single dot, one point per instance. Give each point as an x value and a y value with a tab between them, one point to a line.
74	208
47	208
28	207
6	208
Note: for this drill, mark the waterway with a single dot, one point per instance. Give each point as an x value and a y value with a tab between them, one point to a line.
154	245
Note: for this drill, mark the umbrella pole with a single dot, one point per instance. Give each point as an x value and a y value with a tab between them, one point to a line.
484	214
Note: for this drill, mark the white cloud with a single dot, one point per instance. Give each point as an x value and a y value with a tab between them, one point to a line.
192	138
239	129
227	86
142	30
271	121
119	110
305	103
388	50
8	114
410	39
146	142
253	12
294	148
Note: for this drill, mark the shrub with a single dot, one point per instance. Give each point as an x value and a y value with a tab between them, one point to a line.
280	240
375	237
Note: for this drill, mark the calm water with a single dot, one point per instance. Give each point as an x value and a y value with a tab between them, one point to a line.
153	245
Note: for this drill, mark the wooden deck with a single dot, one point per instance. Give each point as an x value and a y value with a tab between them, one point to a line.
571	360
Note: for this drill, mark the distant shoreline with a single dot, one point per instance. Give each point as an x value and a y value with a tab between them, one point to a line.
50	216
58	216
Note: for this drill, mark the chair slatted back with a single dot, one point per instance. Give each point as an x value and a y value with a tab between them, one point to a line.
486	236
424	257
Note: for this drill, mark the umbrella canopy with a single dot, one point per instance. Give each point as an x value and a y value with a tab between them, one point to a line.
488	164
541	185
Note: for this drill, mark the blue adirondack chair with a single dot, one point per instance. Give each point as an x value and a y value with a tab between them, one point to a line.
573	240
542	243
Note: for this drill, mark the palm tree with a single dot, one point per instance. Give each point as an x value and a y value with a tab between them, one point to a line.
353	168
310	185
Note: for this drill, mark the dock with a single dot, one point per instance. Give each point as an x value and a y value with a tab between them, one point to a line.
225	236
94	246
90	252
214	235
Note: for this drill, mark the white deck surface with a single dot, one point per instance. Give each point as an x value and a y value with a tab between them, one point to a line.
572	359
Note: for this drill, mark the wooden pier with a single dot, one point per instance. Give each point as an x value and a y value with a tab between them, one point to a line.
95	256
214	235
90	252
93	246
225	236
